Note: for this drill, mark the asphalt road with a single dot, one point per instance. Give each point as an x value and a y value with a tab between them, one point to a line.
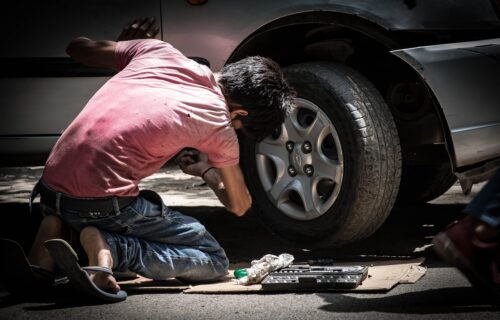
443	293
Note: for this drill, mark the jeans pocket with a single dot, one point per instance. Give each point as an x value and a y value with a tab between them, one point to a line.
148	205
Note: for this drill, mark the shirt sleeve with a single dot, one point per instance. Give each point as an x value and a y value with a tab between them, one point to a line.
126	51
225	150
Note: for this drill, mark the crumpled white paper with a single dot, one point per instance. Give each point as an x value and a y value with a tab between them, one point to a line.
265	265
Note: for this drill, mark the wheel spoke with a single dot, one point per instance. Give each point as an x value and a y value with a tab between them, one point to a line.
272	149
292	127
310	199
282	139
327	168
318	129
280	189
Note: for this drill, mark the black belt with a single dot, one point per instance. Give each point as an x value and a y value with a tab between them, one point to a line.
86	207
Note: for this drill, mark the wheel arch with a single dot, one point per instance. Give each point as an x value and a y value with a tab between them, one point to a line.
362	25
287	40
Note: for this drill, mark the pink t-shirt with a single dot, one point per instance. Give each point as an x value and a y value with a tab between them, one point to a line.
159	103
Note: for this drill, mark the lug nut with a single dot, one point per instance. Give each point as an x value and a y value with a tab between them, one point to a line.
292	171
306	147
309	170
289	146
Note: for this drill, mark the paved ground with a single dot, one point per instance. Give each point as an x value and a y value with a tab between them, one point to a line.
442	294
175	187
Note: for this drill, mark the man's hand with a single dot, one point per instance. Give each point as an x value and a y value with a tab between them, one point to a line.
145	28
227	183
101	53
192	162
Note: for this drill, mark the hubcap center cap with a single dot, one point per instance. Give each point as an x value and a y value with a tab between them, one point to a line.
299	159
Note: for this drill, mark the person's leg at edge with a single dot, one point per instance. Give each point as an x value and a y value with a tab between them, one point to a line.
485	209
51	227
486	233
99	254
473	245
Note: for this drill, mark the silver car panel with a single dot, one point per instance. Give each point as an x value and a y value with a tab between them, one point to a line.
464	78
38	113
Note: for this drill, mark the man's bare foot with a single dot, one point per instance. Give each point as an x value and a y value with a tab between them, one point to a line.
105	282
50	228
99	254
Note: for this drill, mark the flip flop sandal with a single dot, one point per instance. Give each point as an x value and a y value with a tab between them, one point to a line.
19	276
66	259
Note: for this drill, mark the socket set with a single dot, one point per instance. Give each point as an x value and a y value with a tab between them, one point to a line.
306	277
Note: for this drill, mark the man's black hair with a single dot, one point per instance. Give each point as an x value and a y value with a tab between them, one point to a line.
257	83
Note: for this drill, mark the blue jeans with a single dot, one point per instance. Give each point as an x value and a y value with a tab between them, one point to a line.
152	240
486	205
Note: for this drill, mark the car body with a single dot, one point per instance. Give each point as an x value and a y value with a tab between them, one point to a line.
435	64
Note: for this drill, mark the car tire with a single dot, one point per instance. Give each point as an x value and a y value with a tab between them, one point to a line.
365	160
423	183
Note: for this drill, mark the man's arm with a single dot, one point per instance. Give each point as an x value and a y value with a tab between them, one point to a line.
227	183
101	53
229	186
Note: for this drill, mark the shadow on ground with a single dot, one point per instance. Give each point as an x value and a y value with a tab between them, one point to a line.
432	301
407	232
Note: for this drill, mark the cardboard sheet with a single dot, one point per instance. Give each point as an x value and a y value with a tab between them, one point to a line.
382	276
145	284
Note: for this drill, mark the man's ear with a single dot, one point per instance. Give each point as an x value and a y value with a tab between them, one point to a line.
238	112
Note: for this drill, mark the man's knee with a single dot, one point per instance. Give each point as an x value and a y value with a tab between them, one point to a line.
221	265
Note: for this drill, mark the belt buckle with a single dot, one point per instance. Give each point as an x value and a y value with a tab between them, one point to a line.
97	214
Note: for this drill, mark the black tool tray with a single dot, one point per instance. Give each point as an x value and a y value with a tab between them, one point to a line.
310	277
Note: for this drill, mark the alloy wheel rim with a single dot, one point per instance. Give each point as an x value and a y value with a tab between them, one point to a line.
301	166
